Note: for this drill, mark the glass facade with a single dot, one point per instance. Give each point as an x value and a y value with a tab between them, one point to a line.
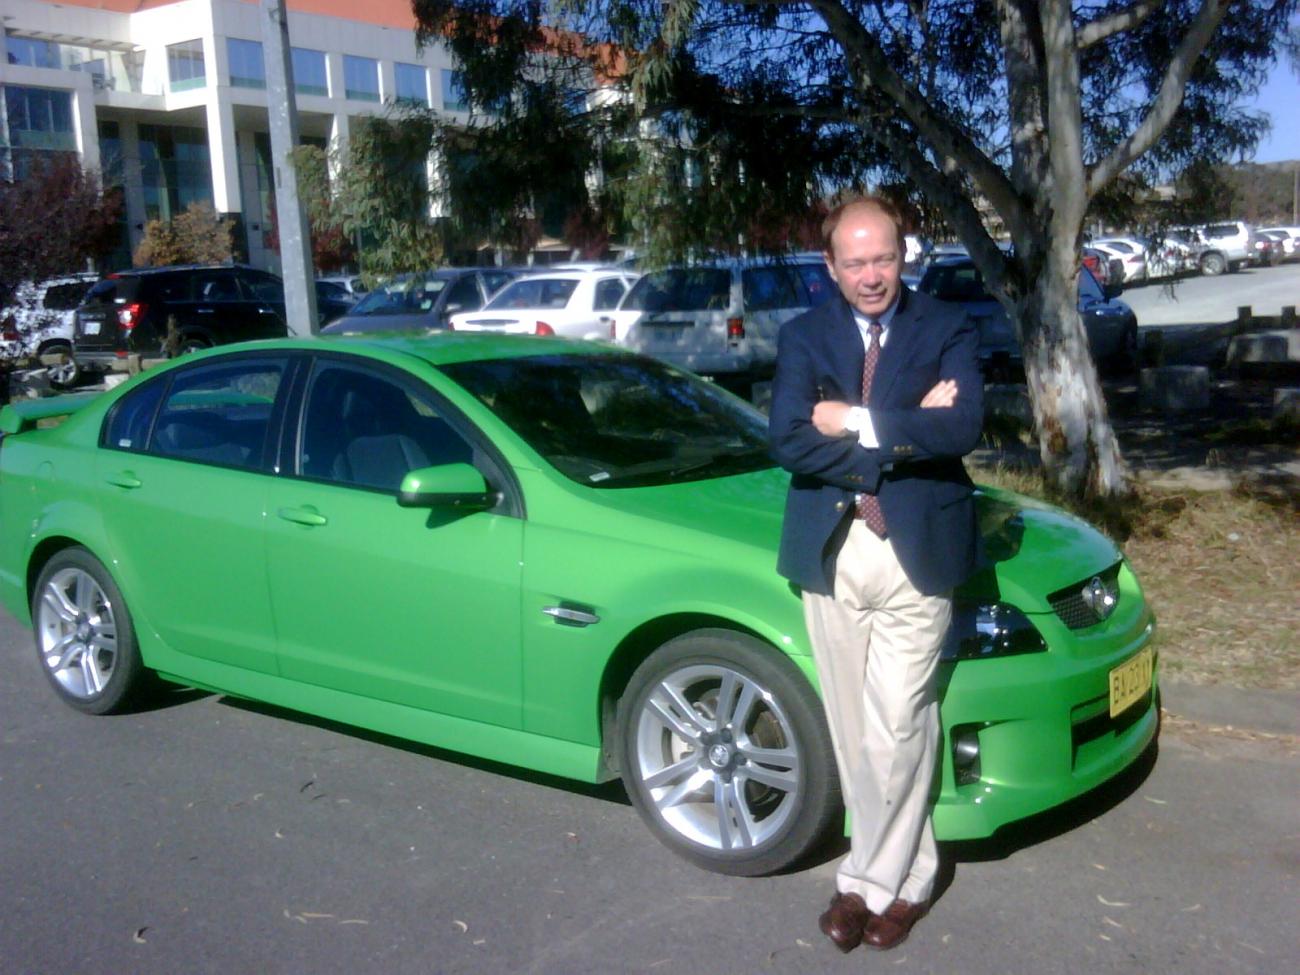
361	78
310	76
454	96
185	65
175	169
32	52
412	84
247	68
37	126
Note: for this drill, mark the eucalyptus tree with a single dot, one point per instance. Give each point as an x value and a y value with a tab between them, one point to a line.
1010	117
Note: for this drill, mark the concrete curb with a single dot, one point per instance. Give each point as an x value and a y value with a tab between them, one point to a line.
1245	708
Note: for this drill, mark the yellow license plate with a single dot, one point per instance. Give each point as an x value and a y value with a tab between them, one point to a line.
1130	681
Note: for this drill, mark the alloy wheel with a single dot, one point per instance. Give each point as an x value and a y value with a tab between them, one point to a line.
76	633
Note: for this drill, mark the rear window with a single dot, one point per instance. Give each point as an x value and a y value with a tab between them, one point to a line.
405	296
1222	230
106	290
534	293
682	289
960	283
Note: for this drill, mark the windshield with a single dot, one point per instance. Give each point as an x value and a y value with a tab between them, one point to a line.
408	295
611	421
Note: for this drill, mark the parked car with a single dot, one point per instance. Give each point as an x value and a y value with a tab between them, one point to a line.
720	319
156	312
422	301
1285	238
1105	267
576	304
36	320
1131	255
1228	246
333	301
1110	323
1267	251
415	535
353	284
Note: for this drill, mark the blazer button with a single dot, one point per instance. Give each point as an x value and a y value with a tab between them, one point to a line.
839	505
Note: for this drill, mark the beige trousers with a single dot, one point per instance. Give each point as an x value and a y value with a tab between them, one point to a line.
876	643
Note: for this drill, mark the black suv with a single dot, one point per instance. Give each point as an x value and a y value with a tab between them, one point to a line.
171	310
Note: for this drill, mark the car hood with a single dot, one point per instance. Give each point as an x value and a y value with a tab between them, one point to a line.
1032	547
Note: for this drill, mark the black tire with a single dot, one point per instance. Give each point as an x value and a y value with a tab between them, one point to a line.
1213	263
772	763
84	638
191	343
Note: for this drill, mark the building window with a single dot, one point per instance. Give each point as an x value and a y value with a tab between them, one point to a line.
309	74
31	52
361	78
412	84
185	65
247	69
40	118
175	169
454	96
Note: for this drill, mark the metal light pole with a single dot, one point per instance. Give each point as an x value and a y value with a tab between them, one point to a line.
295	236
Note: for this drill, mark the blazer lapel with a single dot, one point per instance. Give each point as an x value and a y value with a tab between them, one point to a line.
904	334
844	350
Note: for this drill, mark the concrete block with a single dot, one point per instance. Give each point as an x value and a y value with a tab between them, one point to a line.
1286	404
1276	346
1175	389
115	379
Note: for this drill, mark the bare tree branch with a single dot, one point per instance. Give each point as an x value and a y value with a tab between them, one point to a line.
1168	98
1103	27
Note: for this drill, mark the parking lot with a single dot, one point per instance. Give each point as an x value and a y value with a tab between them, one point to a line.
1199	300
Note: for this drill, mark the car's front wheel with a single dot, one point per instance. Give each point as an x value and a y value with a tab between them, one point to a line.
726	754
84	636
1213	263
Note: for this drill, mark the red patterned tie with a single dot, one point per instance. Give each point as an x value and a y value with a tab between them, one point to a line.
868	505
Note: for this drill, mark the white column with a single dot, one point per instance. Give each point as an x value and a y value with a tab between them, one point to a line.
222	153
340	133
133	180
85	124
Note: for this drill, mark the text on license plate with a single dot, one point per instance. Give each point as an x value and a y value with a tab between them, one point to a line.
90	328
1130	681
666	333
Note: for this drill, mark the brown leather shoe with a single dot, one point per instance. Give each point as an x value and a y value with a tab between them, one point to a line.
844	921
887	930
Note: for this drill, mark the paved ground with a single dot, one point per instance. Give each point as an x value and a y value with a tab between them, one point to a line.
1209	300
213	836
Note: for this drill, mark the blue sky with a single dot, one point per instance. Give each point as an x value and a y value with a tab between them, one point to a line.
1280	98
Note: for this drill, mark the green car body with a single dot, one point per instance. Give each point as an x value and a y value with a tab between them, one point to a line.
449	627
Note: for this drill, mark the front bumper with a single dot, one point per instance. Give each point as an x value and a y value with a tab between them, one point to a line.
1042	722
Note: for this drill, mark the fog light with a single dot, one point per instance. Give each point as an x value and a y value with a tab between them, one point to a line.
966	757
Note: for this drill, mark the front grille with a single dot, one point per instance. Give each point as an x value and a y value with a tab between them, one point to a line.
1069	605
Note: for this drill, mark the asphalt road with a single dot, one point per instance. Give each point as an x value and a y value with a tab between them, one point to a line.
1199	300
208	835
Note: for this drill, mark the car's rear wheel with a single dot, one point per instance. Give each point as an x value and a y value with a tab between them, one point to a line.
66	374
84	637
1213	263
726	754
191	343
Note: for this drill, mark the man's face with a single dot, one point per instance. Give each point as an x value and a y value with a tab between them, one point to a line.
864	260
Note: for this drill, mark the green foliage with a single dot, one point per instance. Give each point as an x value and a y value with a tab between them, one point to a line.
197	236
54	220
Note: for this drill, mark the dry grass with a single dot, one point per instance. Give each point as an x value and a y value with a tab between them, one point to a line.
1221	570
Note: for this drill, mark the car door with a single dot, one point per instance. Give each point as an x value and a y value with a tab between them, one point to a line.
412	606
265	293
219	310
187	465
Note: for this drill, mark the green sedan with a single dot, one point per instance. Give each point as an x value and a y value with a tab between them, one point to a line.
558	556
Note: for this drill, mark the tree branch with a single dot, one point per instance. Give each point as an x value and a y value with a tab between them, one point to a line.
1098	30
1168	98
947	140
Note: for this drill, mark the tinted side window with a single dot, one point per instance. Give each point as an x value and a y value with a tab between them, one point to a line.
465	293
1088	286
609	293
684	289
817	283
496	280
367	430
127	425
167	287
219	413
65	297
216	286
766	288
267	287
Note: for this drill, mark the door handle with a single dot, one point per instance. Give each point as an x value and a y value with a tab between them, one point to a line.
303	516
206	311
125	479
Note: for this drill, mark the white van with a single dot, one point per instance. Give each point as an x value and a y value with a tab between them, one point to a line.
720	319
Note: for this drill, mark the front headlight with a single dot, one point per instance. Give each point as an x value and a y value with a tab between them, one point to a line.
989	630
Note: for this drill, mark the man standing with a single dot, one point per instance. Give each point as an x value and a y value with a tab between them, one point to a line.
876	399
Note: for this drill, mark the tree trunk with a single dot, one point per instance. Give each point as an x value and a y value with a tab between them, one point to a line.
1079	452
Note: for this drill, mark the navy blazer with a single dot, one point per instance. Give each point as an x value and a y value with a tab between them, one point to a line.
917	472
